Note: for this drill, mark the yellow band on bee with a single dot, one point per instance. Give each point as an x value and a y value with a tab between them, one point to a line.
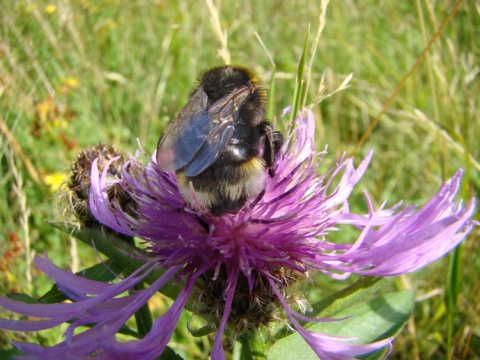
252	166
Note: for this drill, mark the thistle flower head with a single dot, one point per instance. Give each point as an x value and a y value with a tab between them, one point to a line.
244	264
75	192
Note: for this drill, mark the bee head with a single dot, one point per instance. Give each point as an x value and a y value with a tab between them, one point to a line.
220	81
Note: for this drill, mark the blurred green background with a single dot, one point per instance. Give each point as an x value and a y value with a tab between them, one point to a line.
73	73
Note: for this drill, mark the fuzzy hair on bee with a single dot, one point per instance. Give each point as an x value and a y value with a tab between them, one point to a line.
220	145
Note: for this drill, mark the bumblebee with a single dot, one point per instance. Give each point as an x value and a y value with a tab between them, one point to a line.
220	144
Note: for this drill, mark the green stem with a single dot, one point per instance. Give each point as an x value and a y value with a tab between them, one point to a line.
451	294
449	334
143	317
254	346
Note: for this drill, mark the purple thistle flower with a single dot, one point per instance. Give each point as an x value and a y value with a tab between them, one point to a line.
273	240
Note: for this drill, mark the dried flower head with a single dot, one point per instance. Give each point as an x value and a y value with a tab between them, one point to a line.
75	192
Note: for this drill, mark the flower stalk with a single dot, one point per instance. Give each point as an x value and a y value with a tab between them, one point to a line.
253	345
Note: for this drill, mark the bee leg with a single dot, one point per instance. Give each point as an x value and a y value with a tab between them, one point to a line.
273	141
204	224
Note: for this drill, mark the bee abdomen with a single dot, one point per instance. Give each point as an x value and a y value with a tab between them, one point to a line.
224	189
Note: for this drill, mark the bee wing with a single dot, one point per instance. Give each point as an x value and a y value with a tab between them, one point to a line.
211	149
186	135
222	116
198	136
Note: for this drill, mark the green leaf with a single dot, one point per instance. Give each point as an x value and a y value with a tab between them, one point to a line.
23	298
371	321
125	255
169	354
381	317
10	354
297	94
271	97
105	272
362	289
